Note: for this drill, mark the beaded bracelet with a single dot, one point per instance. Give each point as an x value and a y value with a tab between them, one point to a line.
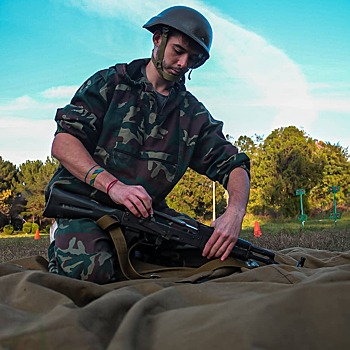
86	175
111	184
94	174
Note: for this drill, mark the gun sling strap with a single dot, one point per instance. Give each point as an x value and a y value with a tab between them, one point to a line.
146	270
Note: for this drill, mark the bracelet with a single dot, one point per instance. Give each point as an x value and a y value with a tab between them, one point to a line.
111	184
94	166
94	175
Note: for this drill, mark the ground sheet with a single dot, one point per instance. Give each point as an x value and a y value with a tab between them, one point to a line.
270	307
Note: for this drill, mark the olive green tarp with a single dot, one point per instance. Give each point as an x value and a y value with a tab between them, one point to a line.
270	307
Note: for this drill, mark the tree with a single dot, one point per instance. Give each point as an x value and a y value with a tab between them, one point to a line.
287	160
8	175
336	172
8	181
193	195
34	176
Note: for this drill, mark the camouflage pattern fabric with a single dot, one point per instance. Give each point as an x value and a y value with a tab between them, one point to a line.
83	251
117	117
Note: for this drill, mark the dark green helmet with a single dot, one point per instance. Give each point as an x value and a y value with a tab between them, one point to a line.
187	21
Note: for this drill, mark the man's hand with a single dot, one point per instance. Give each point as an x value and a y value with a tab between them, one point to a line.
134	198
228	226
76	159
226	232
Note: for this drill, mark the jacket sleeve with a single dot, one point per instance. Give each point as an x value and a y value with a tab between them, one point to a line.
214	156
83	117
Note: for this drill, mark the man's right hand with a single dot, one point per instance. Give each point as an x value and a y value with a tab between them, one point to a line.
134	198
76	159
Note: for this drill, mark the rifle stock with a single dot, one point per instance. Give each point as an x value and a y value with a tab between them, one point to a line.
63	204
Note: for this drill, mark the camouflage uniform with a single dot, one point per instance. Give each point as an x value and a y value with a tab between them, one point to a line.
116	115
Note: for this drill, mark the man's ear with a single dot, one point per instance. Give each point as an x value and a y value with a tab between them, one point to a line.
157	38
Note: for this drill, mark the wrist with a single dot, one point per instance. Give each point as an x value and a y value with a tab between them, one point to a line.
110	185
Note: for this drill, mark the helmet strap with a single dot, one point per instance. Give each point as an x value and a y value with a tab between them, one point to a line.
158	61
189	74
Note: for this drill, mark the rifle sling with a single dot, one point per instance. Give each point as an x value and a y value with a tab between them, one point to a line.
151	271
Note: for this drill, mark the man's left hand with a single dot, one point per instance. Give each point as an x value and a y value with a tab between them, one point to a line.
226	232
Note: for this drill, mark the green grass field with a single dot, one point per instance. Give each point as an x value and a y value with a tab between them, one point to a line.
317	233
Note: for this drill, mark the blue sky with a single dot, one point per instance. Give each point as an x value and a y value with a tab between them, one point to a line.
274	63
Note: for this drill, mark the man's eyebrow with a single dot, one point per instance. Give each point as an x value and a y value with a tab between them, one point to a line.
178	46
192	52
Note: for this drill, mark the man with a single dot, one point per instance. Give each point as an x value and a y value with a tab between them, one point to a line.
130	132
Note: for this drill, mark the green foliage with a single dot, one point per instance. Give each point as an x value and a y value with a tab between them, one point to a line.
335	173
287	160
27	227
8	229
8	181
193	196
284	161
34	176
35	227
8	175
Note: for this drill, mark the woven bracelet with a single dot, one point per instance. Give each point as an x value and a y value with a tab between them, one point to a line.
94	174
111	184
94	166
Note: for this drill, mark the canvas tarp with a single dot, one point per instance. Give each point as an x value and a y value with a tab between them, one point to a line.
270	307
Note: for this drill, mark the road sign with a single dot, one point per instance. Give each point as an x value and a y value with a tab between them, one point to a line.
334	189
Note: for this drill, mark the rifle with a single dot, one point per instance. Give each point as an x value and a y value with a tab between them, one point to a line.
161	227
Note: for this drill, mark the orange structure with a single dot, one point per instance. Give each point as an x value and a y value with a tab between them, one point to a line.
37	234
257	229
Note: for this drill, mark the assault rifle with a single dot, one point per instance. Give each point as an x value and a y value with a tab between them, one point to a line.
160	227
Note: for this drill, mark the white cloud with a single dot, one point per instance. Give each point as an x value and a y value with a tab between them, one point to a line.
247	80
25	139
261	70
65	92
26	129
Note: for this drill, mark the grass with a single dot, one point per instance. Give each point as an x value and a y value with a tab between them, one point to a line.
317	233
21	246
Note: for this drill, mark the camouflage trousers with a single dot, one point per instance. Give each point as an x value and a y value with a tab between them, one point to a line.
82	250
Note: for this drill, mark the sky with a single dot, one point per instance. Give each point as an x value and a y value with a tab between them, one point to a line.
274	63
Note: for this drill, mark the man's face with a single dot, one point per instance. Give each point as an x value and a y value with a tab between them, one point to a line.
179	55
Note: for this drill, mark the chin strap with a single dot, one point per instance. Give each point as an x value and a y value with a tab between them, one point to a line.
158	62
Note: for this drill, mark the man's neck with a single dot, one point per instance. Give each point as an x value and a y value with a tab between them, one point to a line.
159	83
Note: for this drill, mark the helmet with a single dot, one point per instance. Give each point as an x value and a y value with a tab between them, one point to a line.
187	21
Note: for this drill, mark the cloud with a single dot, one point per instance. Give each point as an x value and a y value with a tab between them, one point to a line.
65	92
265	75
26	129
246	80
25	139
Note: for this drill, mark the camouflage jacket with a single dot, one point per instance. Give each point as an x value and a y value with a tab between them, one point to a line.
116	116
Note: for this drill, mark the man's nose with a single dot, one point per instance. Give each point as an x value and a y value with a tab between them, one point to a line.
183	61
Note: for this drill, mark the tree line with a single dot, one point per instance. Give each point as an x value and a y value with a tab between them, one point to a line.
283	162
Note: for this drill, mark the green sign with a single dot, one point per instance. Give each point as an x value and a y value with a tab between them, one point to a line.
302	217
334	189
299	191
334	216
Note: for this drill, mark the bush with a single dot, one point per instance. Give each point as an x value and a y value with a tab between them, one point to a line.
35	227
8	229
47	229
27	227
